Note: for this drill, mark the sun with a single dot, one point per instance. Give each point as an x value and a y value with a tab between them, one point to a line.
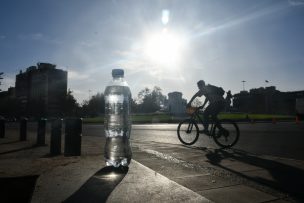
164	48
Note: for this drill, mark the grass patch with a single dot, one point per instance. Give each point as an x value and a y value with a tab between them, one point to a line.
136	118
240	116
94	120
151	118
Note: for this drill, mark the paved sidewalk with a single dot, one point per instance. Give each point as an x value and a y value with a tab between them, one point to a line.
59	178
225	175
158	173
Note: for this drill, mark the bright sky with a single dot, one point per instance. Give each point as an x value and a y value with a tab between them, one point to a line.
170	44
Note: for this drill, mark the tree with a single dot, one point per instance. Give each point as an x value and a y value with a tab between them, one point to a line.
134	106
150	100
94	106
70	106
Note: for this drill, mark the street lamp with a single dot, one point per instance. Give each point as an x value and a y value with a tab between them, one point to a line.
1	79
266	81
243	81
90	93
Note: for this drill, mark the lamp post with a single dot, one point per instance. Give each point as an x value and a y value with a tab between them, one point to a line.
266	98
90	94
243	81
1	79
266	81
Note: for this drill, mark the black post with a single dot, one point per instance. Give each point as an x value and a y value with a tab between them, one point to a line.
55	148
23	129
2	127
73	130
41	132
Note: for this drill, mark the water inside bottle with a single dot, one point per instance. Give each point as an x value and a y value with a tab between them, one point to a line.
117	112
118	151
117	125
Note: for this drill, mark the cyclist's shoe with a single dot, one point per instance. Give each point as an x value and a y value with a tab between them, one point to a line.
205	131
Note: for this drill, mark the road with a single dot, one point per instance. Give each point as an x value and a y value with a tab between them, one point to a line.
281	139
284	139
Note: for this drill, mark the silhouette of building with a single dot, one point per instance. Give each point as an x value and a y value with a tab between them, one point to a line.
8	103
266	100
41	90
176	104
9	94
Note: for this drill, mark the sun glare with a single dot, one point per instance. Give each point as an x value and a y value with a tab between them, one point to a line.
164	48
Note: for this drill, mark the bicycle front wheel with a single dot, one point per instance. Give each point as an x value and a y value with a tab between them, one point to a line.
187	132
226	134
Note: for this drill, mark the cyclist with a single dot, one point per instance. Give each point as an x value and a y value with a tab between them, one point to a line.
213	95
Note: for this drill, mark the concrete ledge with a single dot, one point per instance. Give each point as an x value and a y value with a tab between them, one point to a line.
142	184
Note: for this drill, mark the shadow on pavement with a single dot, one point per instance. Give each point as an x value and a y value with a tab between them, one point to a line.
9	142
17	189
286	178
17	150
99	187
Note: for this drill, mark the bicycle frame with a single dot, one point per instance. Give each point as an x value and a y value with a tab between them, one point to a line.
195	116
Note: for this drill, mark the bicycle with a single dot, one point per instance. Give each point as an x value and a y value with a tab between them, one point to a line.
224	132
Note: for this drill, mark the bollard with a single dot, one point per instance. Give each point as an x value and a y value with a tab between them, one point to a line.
55	148
297	120
2	127
73	130
23	129
41	132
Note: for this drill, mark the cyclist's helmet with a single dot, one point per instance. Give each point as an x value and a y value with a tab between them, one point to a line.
201	83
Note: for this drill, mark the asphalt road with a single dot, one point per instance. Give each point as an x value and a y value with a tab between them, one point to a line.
283	139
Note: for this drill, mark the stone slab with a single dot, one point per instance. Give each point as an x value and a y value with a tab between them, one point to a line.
145	185
203	182
236	194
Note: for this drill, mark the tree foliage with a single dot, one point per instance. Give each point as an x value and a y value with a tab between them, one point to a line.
70	106
150	101
94	106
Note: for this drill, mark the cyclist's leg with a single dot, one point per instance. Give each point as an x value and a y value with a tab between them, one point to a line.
206	114
217	108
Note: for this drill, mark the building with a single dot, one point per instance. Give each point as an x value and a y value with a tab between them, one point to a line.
41	90
7	103
9	94
176	104
266	100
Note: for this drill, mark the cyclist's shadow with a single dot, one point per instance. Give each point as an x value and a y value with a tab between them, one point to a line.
285	177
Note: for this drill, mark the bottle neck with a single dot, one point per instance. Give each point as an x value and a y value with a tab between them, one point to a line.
118	78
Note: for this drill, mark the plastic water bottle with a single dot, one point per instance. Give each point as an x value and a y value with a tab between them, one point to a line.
117	122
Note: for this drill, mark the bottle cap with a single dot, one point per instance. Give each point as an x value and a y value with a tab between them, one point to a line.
117	73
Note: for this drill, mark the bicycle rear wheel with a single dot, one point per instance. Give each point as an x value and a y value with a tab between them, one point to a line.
187	132
227	135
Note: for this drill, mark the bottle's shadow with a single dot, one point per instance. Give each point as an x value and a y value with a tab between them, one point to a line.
99	187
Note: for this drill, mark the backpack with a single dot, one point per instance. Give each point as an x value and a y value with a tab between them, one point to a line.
216	90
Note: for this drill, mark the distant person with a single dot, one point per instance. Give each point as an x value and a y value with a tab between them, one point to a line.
213	95
228	100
